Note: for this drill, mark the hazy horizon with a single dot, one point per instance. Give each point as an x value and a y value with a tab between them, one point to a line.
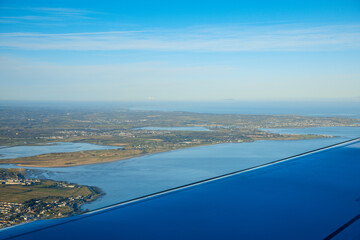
349	109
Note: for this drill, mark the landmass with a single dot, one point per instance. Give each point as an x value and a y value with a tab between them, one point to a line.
102	156
121	127
23	200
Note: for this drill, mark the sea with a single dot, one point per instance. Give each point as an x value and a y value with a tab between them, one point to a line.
58	147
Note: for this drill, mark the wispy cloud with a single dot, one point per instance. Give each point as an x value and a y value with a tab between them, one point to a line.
33	15
268	38
29	18
64	12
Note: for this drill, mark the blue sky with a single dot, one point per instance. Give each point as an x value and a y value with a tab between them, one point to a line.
179	50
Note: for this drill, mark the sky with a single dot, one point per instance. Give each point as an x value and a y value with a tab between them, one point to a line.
179	50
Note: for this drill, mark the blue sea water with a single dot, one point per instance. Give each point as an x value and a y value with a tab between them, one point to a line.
28	151
350	132
307	108
128	179
349	109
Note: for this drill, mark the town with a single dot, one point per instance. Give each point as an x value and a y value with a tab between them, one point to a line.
24	200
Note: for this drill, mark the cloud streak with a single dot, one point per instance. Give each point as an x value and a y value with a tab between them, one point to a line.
62	11
34	15
226	39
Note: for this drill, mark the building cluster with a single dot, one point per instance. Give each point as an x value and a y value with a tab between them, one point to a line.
26	182
12	213
15	213
66	185
7	207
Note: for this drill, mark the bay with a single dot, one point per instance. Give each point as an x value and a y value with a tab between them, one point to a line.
131	178
59	147
348	132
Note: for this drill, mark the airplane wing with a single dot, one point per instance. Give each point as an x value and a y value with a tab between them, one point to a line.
315	195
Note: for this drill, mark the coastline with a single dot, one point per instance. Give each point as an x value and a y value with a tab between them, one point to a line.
99	162
184	165
24	199
91	157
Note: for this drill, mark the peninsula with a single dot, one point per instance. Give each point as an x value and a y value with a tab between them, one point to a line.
23	199
128	130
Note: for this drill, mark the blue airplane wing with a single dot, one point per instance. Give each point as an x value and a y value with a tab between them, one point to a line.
315	195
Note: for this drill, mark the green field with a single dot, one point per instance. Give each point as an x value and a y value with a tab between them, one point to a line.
45	189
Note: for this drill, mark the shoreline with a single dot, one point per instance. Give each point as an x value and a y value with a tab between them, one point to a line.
25	199
134	155
85	164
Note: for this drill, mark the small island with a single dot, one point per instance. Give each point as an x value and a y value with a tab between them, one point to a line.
23	199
